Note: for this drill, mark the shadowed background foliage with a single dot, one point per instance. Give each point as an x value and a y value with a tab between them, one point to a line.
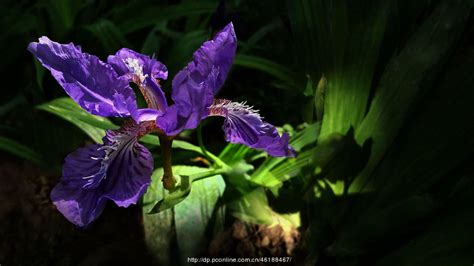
377	95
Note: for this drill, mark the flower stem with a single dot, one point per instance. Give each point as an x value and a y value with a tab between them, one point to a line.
201	143
168	178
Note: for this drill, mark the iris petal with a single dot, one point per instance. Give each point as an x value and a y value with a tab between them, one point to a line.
149	66
119	170
80	205
194	87
145	114
90	82
245	126
144	71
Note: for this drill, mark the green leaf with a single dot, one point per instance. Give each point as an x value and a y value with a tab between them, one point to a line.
258	35
153	15
199	207
151	45
309	89
436	139
62	14
234	153
40	71
11	104
319	97
332	38
182	190
186	175
66	108
158	227
182	51
276	70
400	86
19	150
253	208
289	167
108	35
308	107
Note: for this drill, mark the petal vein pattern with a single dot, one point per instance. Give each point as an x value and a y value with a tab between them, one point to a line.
93	84
245	126
119	170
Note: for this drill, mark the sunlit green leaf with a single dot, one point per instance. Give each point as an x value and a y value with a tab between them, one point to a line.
158	227
253	208
199	207
66	108
291	166
185	175
332	38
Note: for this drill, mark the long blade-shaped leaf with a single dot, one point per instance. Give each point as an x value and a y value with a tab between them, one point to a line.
154	15
278	71
403	79
333	38
19	150
66	108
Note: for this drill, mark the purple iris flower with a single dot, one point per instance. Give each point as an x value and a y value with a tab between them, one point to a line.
120	169
193	93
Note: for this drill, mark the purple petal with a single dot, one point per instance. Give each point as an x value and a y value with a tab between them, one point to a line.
245	126
145	114
90	82
194	87
80	207
153	94
149	66
217	53
187	114
144	71
119	170
130	175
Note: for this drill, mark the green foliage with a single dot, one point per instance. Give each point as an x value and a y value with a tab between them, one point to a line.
19	150
94	126
278	72
198	205
399	87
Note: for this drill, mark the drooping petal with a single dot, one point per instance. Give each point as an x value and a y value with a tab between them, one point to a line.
79	203
245	126
90	82
143	71
127	61
119	170
131	168
194	87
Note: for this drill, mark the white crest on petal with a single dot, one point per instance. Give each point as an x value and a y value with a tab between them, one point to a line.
135	67
223	107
